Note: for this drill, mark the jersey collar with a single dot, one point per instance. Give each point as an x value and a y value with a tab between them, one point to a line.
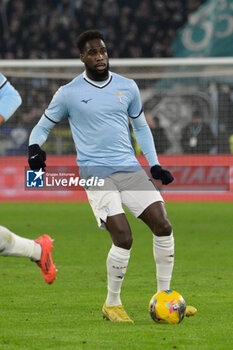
94	83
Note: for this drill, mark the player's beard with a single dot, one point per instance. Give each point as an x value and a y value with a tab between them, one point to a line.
97	75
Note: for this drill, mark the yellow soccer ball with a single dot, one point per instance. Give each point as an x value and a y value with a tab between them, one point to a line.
167	306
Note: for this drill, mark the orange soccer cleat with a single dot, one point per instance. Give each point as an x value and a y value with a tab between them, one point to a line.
46	264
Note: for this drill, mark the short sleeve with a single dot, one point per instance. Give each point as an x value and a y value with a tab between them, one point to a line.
135	106
57	109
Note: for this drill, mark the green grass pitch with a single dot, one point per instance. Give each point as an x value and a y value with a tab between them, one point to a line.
67	314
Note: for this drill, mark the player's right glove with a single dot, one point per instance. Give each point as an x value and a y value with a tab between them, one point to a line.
36	157
158	173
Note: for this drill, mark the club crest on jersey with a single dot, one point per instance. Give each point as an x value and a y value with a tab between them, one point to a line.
119	95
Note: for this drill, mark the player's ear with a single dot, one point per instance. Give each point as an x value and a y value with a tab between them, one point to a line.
82	57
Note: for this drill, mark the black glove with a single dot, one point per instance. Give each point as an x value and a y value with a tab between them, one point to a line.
158	173
36	157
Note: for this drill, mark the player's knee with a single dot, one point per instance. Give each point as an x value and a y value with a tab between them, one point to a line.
163	228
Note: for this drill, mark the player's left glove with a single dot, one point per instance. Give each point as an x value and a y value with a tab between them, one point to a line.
36	157
158	173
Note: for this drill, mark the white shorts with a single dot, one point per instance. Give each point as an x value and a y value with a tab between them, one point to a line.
134	190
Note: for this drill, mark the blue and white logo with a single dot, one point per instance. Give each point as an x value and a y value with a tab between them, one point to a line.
35	178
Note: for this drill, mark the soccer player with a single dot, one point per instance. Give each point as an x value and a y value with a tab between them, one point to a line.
98	105
40	249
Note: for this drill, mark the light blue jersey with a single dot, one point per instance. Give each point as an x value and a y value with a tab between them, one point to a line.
98	115
10	99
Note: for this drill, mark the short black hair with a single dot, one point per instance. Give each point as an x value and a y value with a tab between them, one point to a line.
86	36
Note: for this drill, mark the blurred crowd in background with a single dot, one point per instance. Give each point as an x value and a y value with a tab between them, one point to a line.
133	28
